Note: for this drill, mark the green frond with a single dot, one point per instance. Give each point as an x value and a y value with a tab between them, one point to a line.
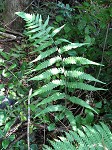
88	138
59	144
42	46
82	86
80	102
47	147
45	54
92	132
38	35
71	118
46	23
57	31
71	46
56	96
33	30
41	40
47	74
107	135
53	108
59	41
55	83
47	51
79	60
81	75
47	63
39	20
31	26
27	17
48	87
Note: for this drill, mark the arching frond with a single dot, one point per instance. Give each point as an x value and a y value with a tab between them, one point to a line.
50	60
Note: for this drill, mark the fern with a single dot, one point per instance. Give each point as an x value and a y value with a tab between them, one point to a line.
98	137
79	61
51	67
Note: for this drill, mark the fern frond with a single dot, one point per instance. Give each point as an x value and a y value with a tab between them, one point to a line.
45	54
46	23
80	102
79	60
38	35
55	83
71	118
47	63
47	74
88	138
53	108
107	135
48	87
56	96
66	145
57	31
33	30
48	52
40	41
81	75
59	41
27	17
82	86
31	26
42	46
71	46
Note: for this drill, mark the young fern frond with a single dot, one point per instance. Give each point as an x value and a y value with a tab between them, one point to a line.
98	137
52	62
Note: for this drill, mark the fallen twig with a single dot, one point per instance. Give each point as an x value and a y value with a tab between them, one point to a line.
16	140
7	35
28	125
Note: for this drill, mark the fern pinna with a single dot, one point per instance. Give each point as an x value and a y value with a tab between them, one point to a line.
98	137
52	68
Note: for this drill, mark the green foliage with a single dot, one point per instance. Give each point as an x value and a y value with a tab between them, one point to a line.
91	22
12	76
57	69
98	137
1	5
56	80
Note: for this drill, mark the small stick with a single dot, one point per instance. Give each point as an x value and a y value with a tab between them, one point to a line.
28	126
16	140
8	35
